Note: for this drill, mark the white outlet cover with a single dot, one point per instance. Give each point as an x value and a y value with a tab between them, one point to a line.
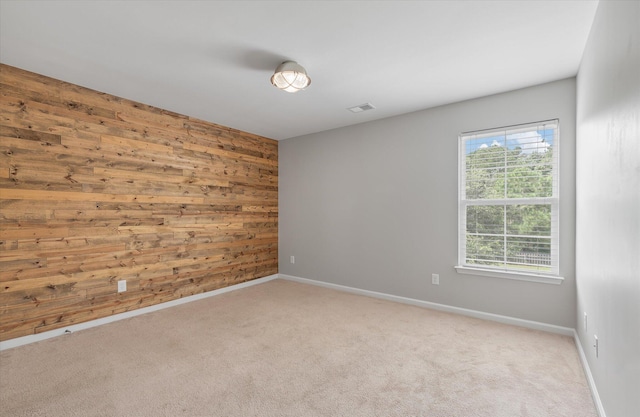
122	285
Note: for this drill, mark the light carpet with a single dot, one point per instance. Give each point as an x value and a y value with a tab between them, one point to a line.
288	349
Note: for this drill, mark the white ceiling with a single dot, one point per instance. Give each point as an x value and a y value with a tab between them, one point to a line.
213	59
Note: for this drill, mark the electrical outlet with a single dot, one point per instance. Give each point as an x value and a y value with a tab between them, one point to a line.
122	285
292	259
596	345
435	279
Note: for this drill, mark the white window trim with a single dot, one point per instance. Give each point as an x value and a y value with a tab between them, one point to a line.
519	276
462	268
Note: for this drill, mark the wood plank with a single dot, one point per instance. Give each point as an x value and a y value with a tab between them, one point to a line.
229	154
135	144
144	176
27	134
28	194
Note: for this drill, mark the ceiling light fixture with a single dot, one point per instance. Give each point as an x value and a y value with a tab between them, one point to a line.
290	77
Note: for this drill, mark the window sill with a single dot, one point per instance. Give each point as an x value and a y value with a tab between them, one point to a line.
520	276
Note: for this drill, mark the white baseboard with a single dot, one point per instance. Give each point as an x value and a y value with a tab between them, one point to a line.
20	341
441	307
589	375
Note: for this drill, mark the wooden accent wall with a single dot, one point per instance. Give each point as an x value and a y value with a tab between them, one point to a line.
96	189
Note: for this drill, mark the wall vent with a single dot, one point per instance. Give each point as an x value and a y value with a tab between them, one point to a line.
361	108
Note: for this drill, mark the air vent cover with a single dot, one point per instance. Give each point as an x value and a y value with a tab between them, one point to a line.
361	108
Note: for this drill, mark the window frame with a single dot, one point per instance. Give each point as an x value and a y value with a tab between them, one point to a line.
504	271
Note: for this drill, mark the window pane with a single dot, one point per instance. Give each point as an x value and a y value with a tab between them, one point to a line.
533	254
530	140
530	175
485	219
485	170
529	220
485	250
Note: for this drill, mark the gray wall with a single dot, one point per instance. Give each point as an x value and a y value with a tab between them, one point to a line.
374	206
608	205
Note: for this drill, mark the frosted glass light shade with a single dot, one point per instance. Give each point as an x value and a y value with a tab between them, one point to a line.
290	77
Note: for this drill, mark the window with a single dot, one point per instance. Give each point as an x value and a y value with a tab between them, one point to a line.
508	202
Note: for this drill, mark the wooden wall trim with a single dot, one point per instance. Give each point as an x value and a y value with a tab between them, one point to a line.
95	188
